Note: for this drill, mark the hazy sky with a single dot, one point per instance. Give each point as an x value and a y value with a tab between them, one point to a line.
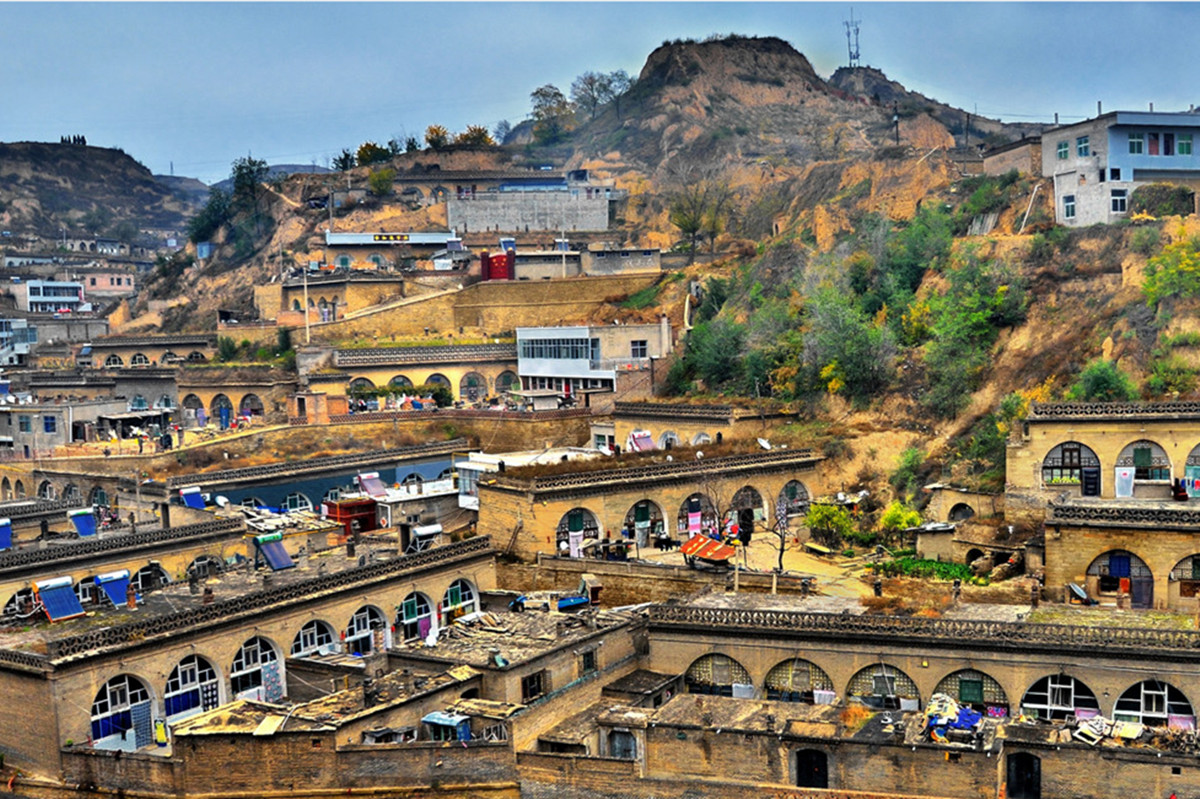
200	84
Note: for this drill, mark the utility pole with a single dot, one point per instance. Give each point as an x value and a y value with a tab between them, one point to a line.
307	333
896	121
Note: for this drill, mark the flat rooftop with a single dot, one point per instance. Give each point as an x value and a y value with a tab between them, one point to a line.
516	637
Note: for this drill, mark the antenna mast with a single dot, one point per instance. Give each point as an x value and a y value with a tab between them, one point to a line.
852	37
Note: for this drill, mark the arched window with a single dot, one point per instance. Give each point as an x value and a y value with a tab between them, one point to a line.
196	356
360	634
19	489
1067	464
376	259
121	714
139	359
794	499
360	384
1120	572
885	687
1060	695
975	689
746	508
192	688
719	675
5	488
577	523
169	357
668	439
20	603
71	493
416	616
342	261
1148	461
165	402
205	566
799	680
46	490
437	379
296	305
85	590
701	438
472	387
646	520
458	600
961	512
314	636
256	672
149	578
696	515
400	382
297	501
1156	703
251	405
113	360
138	403
505	381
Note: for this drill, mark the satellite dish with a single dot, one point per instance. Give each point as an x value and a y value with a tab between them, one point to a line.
699	454
762	442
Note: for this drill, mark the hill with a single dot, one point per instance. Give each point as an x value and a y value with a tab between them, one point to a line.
45	188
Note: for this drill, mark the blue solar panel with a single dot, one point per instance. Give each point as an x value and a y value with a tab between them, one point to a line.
5	534
60	602
275	555
85	522
192	497
115	586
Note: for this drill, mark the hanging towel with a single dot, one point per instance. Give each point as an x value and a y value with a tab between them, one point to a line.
1124	482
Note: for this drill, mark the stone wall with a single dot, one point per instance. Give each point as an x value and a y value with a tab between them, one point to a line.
525	212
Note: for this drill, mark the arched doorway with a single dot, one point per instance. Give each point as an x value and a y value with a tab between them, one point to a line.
251	406
1120	572
746	508
19	489
1024	773
961	512
1072	464
113	361
575	525
505	381
668	439
438	379
5	489
150	577
973	555
646	521
473	387
696	515
718	675
98	497
121	717
812	768
193	410
221	409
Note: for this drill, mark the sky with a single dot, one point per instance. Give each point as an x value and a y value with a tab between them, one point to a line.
189	87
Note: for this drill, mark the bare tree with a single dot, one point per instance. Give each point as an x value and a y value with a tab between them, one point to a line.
619	84
590	90
699	203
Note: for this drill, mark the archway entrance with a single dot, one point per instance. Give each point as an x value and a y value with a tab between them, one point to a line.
812	769
1024	776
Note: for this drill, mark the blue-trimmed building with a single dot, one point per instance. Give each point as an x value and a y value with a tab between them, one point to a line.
1096	164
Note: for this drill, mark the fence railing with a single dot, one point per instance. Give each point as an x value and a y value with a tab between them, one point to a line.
899	629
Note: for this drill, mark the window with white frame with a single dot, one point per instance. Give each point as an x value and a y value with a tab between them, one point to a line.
1069	206
191	688
114	708
1137	143
1083	146
1119	199
1064	149
248	664
314	636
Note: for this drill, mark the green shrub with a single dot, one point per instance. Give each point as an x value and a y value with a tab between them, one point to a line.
1145	240
1162	199
1102	381
642	299
904	479
925	569
1175	272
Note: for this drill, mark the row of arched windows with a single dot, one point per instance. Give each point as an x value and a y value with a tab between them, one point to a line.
113	360
473	385
1072	463
123	710
1053	697
696	514
250	405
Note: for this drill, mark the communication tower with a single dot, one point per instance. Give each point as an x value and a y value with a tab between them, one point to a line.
852	37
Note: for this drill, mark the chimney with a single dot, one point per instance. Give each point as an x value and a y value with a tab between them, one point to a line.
1056	119
370	695
666	334
1151	107
1099	109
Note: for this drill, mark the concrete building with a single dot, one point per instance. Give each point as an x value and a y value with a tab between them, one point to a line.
50	296
1023	155
146	351
1096	164
588	359
17	341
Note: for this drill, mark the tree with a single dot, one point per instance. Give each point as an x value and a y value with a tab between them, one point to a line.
96	219
344	161
436	136
553	114
475	136
828	523
898	517
211	218
699	204
501	131
380	181
371	153
125	231
248	176
619	84
441	393
412	144
844	350
590	90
